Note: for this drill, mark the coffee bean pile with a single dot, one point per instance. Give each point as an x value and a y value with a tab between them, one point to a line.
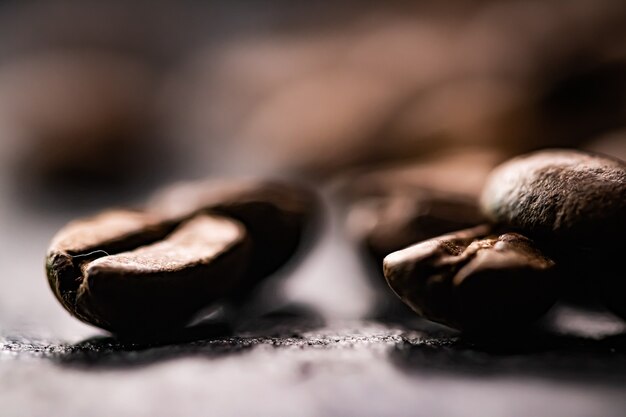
553	217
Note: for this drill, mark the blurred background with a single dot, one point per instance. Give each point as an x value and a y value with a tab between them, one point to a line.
396	111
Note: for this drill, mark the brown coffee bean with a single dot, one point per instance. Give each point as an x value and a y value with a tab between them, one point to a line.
392	207
462	172
79	117
573	197
573	204
335	114
385	224
144	273
86	239
276	215
154	287
474	281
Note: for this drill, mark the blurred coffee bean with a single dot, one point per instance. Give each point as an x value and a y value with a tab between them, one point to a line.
584	98
460	171
509	38
79	117
385	224
216	89
465	111
533	39
571	196
390	207
119	271
276	215
474	281
350	117
565	63
410	50
319	124
213	94
384	86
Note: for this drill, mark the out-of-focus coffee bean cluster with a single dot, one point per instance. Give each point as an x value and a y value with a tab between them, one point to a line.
115	93
103	96
400	84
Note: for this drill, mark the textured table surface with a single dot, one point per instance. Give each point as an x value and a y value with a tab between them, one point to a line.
312	355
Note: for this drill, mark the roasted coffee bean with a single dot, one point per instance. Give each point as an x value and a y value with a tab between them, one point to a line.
474	281
276	215
461	172
564	196
392	207
79	117
573	204
153	286
148	272
385	224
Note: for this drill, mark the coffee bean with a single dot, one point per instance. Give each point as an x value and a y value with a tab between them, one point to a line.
573	204
79	117
461	172
474	281
392	207
146	272
564	196
154	287
86	239
385	224
276	215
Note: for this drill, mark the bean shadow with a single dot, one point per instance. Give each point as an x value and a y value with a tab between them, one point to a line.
211	339
545	351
